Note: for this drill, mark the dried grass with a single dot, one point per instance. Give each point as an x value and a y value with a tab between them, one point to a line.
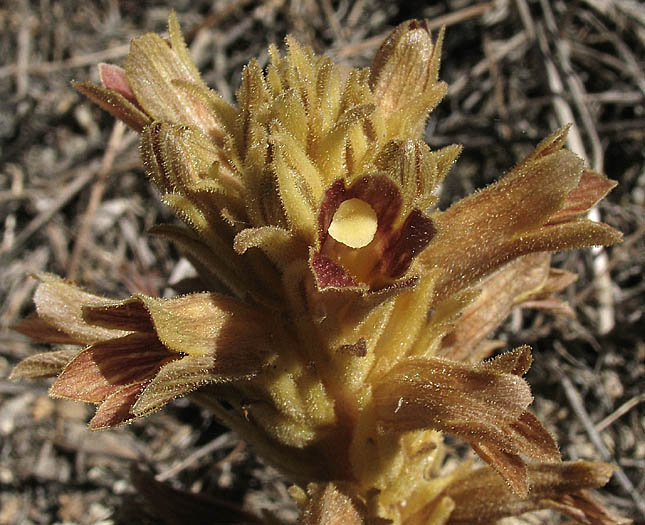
74	201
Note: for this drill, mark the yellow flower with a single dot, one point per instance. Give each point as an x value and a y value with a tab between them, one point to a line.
342	325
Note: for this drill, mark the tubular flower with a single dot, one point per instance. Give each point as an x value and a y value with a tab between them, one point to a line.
342	325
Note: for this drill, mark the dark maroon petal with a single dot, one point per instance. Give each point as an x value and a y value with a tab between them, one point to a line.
329	274
382	195
396	242
334	195
415	234
377	190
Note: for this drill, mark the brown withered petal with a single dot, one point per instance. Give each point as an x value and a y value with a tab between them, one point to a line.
556	281
329	504
483	497
116	409
47	364
548	145
195	324
517	361
591	189
533	439
60	304
574	234
510	466
127	315
106	367
442	394
551	305
520	201
542	297
175	346
498	295
39	330
484	404
186	375
526	282
509	219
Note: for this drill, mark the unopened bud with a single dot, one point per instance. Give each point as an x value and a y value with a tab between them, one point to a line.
405	66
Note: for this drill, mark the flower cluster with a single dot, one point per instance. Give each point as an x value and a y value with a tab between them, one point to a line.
342	325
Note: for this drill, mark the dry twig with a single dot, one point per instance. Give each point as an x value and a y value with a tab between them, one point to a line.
578	407
604	292
98	188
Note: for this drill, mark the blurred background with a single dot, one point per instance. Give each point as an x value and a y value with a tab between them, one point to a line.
74	201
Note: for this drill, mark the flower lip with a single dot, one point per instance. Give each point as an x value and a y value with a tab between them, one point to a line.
364	239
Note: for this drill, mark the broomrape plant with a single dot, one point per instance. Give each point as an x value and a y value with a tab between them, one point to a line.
341	330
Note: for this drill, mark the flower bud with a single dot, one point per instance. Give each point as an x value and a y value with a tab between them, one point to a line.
406	66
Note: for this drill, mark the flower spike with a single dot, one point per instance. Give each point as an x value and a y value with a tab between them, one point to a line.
342	324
